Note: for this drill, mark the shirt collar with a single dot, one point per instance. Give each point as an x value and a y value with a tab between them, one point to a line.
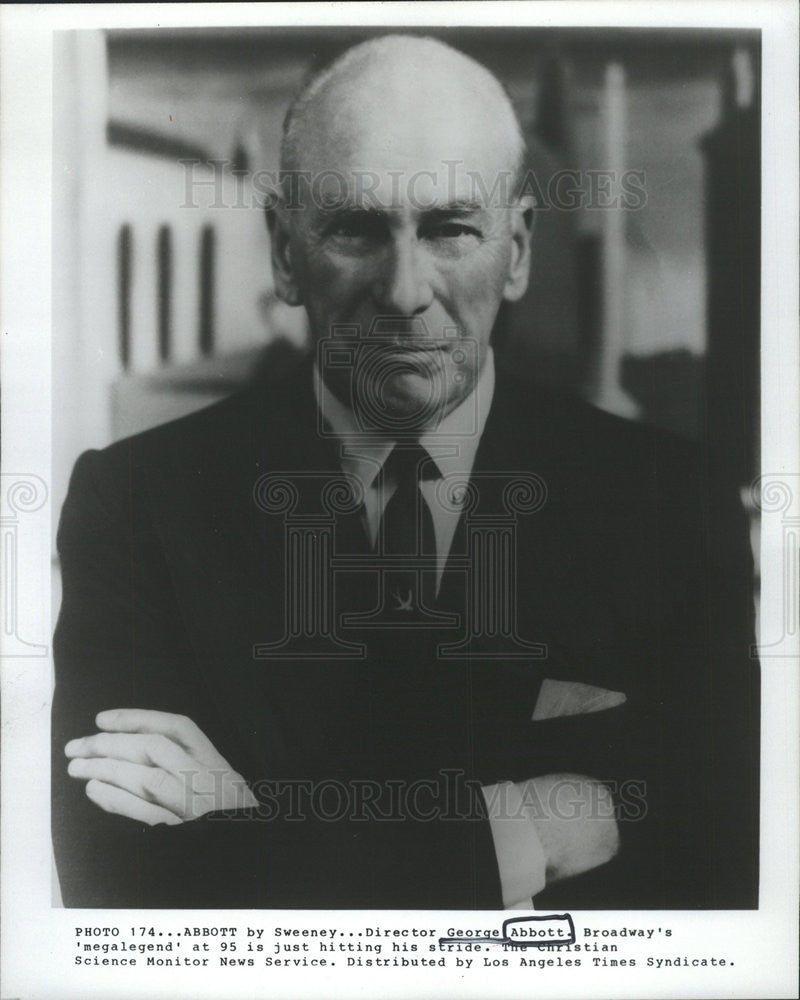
453	443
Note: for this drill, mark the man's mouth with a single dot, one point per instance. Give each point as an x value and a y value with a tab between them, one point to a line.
407	333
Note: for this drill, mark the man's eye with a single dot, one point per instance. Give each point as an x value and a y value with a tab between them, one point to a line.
452	230
356	227
349	228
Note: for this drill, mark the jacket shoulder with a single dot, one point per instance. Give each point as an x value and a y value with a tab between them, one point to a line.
577	431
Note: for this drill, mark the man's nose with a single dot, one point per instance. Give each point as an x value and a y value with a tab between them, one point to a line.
403	287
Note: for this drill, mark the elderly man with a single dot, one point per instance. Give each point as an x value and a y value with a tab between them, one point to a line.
403	632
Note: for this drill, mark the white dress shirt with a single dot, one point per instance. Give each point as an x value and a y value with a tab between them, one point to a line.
453	444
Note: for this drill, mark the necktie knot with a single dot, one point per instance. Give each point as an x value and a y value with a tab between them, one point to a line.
409	465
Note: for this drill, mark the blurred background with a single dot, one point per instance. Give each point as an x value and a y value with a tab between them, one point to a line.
163	296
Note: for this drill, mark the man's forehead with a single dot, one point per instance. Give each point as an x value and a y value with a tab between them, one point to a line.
408	167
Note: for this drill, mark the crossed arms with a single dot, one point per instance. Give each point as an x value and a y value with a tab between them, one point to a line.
166	816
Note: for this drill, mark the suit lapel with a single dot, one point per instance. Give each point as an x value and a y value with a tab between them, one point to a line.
511	478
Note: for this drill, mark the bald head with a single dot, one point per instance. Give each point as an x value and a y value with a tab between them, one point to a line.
401	94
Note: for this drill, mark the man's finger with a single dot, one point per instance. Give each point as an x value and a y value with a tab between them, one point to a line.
138	748
117	800
178	728
151	784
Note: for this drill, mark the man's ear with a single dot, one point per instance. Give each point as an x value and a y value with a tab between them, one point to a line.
283	273
522	218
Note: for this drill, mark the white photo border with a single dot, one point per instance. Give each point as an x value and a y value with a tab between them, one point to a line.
37	940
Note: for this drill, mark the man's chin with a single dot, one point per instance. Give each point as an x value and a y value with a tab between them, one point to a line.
407	402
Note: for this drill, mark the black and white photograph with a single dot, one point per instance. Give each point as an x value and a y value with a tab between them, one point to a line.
418	528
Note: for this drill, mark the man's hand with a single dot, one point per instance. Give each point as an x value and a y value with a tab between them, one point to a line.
574	818
155	767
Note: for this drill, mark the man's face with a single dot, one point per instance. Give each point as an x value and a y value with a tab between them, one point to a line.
399	242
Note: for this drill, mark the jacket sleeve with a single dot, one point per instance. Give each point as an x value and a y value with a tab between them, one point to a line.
683	758
119	642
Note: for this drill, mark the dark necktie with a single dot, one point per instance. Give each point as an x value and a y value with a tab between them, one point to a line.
412	695
407	525
406	537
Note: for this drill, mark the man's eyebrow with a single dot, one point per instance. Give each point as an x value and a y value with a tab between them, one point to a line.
338	210
451	209
459	207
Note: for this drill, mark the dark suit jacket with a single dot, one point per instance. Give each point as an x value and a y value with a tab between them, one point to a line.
635	575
